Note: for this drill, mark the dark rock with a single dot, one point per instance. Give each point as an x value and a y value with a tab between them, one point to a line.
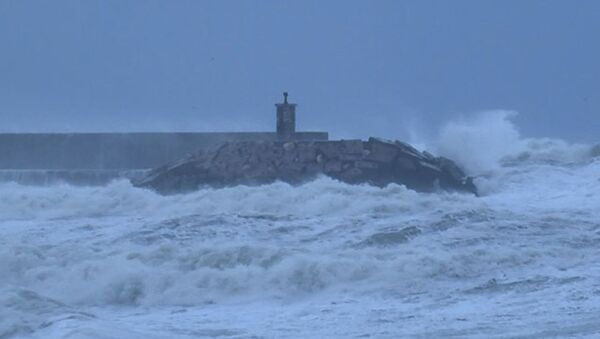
365	164
354	147
407	164
376	161
350	175
428	156
409	150
333	166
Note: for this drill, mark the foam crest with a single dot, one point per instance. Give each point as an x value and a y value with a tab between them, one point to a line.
550	151
478	143
489	146
323	196
203	274
123	249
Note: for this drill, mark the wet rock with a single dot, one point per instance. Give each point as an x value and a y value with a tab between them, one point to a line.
352	147
382	151
289	146
365	164
376	161
333	166
407	164
350	175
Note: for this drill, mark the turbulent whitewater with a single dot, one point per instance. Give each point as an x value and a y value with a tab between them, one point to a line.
324	259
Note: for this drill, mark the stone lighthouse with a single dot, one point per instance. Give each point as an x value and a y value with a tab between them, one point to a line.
286	119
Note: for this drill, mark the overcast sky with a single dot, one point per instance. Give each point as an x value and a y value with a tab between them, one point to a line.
356	68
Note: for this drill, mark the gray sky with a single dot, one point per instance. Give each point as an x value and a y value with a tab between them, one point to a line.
356	68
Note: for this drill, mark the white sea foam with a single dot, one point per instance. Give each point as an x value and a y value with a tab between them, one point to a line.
479	143
488	140
323	259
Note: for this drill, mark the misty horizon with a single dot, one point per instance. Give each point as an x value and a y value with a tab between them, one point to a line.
355	68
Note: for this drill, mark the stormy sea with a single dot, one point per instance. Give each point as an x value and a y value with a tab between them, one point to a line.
320	260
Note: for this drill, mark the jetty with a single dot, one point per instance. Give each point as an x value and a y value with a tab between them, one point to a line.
295	160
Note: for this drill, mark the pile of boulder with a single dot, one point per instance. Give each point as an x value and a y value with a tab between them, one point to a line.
376	161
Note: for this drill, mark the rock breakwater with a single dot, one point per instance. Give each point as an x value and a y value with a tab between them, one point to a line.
376	161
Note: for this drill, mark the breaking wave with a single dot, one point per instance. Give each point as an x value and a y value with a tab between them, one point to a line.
490	140
68	251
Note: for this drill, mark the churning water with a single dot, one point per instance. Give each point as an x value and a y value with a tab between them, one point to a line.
324	259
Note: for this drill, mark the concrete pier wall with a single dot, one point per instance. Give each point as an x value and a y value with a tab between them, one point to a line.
114	151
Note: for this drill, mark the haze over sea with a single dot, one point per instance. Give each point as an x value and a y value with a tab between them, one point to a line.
324	259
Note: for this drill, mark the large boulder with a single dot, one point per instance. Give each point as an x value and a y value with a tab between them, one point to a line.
376	161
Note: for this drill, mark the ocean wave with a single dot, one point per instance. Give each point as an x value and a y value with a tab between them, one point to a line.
487	141
66	251
323	196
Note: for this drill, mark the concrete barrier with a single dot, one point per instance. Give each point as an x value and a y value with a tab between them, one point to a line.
114	151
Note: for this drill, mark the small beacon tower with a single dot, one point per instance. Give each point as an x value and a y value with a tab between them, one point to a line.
286	119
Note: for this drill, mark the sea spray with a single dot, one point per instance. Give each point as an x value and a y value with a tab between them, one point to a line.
276	259
479	142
